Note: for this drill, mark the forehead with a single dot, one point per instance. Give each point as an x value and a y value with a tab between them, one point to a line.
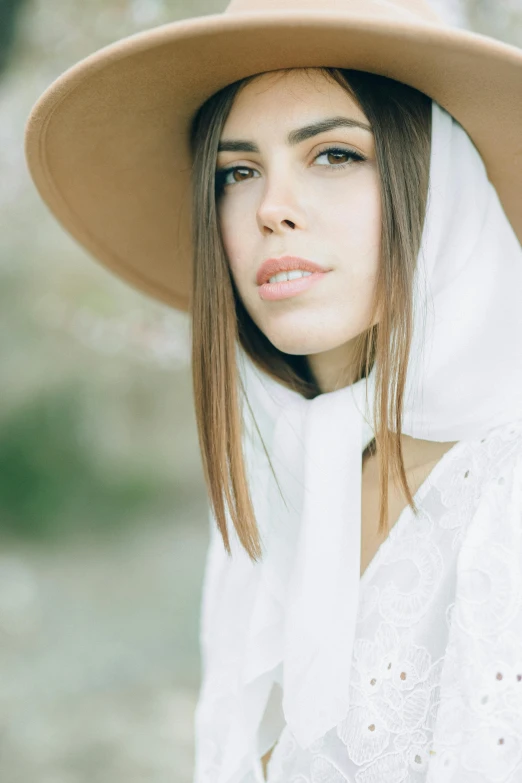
284	95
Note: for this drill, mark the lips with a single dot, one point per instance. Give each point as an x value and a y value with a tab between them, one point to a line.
272	266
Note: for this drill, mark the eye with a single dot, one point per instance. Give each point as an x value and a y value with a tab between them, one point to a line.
341	151
222	175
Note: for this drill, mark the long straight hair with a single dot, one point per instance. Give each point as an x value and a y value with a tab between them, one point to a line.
400	117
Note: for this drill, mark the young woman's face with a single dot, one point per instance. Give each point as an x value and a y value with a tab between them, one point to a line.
284	196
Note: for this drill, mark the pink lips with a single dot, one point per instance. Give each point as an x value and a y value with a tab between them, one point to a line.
287	288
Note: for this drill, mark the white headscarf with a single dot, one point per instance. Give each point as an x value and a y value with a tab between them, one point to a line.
465	377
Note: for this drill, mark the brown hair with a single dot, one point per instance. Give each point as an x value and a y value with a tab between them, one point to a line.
400	117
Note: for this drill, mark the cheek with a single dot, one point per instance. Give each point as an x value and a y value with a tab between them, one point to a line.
355	230
356	219
355	226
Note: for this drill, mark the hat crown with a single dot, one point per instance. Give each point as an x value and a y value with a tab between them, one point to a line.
403	10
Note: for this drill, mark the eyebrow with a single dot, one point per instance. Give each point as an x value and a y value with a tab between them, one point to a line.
296	136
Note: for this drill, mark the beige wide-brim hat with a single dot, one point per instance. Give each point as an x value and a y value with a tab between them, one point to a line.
107	143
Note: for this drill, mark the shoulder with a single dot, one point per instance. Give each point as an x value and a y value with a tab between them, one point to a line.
488	600
480	682
494	459
503	442
492	544
478	467
498	460
481	491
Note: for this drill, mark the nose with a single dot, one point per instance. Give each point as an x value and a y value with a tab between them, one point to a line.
279	210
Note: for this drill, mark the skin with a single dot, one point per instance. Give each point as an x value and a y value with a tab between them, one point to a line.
292	199
298	200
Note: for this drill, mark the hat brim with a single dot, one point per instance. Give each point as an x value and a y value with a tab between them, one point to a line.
107	144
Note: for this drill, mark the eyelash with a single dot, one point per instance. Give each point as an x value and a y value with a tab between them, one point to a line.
221	174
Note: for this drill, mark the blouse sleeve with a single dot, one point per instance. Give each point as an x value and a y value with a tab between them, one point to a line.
478	733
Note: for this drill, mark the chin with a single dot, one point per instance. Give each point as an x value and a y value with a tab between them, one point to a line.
291	350
303	336
296	346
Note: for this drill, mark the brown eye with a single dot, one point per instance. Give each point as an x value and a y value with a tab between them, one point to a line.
240	172
223	176
336	156
337	153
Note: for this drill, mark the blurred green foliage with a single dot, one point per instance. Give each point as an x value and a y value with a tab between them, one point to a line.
51	481
8	24
97	428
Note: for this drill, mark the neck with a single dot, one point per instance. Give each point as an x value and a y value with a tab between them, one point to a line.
334	369
417	453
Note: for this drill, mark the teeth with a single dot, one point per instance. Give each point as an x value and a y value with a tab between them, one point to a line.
288	276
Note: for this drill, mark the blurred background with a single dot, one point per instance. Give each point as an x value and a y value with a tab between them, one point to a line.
103	510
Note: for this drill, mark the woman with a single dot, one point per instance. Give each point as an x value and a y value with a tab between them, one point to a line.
360	417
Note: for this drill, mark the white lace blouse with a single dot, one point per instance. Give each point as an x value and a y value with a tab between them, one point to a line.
436	674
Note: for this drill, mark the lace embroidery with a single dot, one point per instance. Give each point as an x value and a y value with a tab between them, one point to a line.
436	691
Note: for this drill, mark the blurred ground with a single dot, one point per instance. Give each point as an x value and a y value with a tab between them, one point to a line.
98	657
